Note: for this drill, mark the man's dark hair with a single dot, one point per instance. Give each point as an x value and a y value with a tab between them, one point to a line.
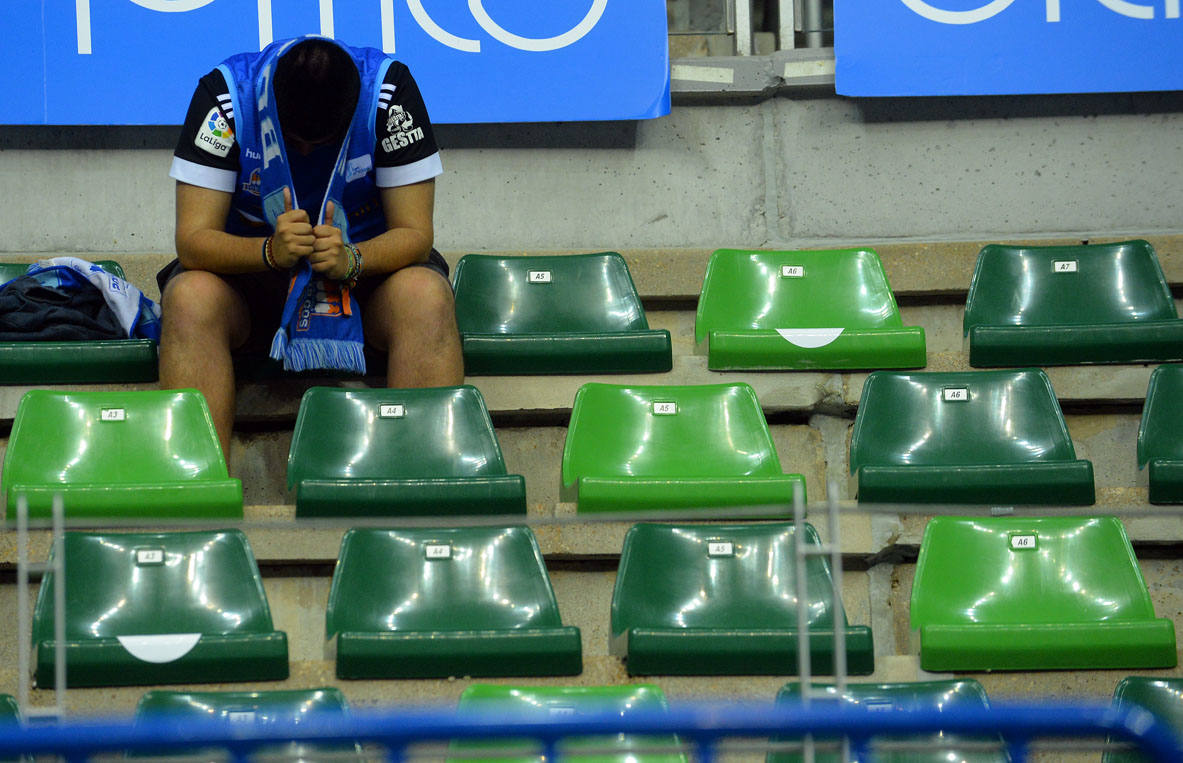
316	87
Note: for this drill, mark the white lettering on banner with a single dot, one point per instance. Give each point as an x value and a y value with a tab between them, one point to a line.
271	149
479	13
1052	10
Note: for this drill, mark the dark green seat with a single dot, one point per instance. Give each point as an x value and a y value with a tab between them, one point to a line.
543	702
985	437
563	314
155	608
1045	593
1161	696
803	310
937	696
1160	439
398	452
722	600
672	447
1064	305
143	453
422	603
75	362
256	709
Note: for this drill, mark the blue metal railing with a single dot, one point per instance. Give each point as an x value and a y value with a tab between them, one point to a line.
700	727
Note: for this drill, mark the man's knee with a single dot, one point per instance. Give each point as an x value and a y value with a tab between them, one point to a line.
417	293
196	299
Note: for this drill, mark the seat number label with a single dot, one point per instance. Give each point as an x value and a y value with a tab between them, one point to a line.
1064	266
665	409
792	271
717	548
955	394
438	551
146	556
241	716
112	414
392	410
538	276
1023	542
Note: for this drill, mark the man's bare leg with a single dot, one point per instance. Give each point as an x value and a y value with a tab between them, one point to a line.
202	318
412	316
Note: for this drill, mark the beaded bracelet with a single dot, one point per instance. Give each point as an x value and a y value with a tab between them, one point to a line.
269	256
355	263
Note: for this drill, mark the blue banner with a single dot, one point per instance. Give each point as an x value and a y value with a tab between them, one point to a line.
984	47
125	62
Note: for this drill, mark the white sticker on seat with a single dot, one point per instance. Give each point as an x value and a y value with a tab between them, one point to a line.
955	394
538	276
437	551
717	548
1064	266
792	271
392	410
665	409
1023	542
809	338
165	647
112	414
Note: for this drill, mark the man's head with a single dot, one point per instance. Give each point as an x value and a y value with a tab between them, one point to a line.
316	87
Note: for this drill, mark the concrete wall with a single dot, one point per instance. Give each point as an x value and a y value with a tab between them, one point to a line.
807	171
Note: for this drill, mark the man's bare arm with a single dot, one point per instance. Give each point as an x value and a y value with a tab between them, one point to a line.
203	244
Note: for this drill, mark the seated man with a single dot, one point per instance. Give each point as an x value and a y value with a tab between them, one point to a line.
243	230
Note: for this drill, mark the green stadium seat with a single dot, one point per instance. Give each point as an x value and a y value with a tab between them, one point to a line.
545	702
75	362
10	711
1160	440
642	448
1065	305
722	600
1161	696
984	437
399	452
256	709
1044	593
423	603
160	608
564	314
140	453
957	694
803	310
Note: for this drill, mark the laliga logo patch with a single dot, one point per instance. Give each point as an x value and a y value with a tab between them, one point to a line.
215	136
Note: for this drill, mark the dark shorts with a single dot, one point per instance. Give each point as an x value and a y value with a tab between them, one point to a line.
265	292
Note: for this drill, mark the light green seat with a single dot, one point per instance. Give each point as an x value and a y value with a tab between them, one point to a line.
424	603
803	310
985	437
544	702
937	696
722	600
398	452
256	709
145	453
1063	305
1161	696
672	447
1160	438
1047	593
75	362
157	608
564	314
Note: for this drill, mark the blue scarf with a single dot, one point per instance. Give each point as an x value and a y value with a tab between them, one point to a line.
321	325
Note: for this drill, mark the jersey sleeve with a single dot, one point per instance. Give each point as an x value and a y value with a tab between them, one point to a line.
406	152
207	153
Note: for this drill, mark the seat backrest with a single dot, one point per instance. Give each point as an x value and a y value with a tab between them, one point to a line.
1029	570
719	576
708	430
1159	436
959	418
1161	696
844	288
549	294
476	578
156	583
11	270
1067	285
936	696
113	437
393	434
256	707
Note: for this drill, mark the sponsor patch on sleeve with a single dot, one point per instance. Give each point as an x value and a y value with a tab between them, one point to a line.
216	136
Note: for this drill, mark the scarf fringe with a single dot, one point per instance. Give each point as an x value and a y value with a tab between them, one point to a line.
303	354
